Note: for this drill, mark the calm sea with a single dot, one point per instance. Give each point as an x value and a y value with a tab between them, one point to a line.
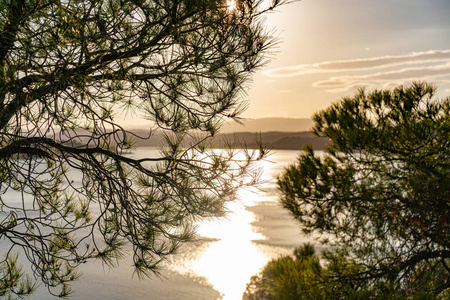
219	265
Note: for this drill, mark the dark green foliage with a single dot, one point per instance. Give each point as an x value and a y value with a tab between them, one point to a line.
382	189
68	71
305	275
288	278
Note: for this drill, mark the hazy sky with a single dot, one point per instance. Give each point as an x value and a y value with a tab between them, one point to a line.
330	48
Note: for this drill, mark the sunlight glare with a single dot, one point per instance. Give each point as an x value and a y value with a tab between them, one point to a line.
231	5
229	262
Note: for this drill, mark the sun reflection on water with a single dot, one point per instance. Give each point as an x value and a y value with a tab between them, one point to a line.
227	256
227	264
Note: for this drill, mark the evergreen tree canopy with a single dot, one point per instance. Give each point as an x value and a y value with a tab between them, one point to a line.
68	71
306	275
382	188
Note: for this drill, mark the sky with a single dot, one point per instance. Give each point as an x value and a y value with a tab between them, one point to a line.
329	49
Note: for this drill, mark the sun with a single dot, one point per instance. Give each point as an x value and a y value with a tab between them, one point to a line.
231	5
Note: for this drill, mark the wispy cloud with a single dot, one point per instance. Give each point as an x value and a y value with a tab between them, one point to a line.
345	83
432	56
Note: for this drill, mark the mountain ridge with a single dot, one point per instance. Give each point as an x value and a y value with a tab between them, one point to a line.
268	125
273	140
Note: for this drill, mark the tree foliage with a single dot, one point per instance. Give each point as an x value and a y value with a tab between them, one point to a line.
307	275
68	71
382	189
13	281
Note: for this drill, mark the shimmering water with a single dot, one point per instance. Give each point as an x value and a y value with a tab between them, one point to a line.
228	252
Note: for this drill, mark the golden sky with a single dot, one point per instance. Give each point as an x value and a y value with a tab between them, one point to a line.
331	48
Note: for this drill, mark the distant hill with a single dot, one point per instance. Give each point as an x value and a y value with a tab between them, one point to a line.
273	140
276	140
268	125
275	133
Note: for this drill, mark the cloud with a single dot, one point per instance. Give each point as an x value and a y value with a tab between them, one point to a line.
339	84
432	56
